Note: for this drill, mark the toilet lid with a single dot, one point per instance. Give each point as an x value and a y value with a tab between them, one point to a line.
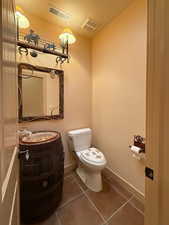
93	155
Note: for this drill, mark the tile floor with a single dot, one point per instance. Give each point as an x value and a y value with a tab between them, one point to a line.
80	206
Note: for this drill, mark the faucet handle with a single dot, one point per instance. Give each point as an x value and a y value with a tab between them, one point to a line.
24	133
26	153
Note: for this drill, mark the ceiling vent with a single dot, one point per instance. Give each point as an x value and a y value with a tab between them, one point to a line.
59	13
89	25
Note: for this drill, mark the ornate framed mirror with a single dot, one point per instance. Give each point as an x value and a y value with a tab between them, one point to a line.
40	93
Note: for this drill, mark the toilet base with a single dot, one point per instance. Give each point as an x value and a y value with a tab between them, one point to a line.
81	174
92	179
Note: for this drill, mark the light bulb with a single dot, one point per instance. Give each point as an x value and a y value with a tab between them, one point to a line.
23	22
67	37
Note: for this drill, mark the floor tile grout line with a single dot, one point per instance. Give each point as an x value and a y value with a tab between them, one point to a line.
71	200
67	176
128	200
84	193
60	221
109	182
116	189
113	185
74	198
119	209
133	195
58	217
81	188
132	204
91	202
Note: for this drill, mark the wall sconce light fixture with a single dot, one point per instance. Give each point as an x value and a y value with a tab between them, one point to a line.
67	38
22	21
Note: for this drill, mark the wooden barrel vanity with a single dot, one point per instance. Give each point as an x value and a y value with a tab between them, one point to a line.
41	175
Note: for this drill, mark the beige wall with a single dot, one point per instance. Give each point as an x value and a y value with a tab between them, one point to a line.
118	97
77	81
119	80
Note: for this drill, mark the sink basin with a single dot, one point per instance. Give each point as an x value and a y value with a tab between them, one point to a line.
39	137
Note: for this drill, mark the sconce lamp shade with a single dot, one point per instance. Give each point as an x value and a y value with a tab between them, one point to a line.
23	22
67	37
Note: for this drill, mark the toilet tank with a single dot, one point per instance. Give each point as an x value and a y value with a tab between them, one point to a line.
81	138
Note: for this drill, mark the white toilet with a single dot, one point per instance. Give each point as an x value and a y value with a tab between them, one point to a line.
90	160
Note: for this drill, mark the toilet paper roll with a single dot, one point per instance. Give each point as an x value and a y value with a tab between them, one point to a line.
136	150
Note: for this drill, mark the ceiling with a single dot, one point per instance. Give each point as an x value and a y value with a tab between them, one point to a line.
102	12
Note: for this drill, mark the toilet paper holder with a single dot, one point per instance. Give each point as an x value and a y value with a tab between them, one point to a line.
139	142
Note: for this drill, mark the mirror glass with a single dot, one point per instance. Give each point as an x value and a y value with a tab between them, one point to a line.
39	94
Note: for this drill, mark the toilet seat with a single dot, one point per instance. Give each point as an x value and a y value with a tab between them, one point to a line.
92	156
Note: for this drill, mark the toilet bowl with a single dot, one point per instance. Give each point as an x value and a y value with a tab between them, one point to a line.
90	160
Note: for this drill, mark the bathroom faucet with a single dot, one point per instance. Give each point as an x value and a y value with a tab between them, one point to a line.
24	133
